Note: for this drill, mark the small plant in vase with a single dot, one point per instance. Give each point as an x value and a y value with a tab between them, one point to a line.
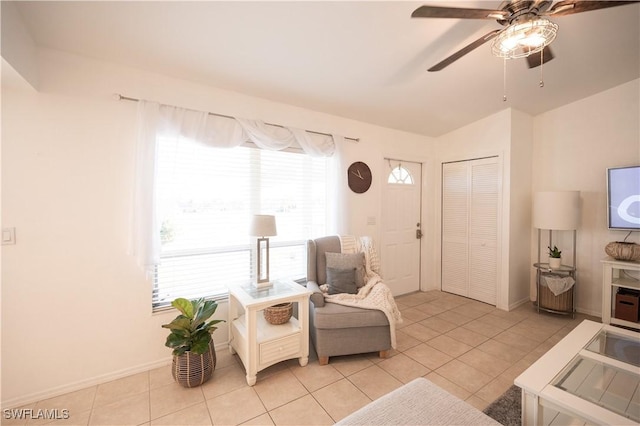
555	257
194	357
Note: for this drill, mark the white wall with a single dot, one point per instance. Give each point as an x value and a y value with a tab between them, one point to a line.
519	185
75	308
565	149
573	146
503	134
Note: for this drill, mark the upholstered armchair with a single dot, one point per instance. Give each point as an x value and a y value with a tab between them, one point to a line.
337	329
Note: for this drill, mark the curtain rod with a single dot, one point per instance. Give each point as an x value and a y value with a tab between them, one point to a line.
119	97
402	161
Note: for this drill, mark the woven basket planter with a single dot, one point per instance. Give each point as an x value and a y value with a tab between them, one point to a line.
278	314
623	251
191	370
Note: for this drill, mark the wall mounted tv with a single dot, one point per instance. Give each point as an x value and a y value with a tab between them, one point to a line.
623	196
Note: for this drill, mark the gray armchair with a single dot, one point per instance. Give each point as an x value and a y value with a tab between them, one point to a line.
338	329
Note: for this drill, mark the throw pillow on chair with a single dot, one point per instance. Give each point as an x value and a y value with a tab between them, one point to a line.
341	280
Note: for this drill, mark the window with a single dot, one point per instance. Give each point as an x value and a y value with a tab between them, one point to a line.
400	175
205	199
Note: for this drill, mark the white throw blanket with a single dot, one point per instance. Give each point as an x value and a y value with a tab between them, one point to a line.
558	284
374	294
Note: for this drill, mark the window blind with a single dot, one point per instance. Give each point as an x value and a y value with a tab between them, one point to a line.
204	201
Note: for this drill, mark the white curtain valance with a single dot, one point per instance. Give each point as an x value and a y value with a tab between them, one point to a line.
274	138
222	132
167	121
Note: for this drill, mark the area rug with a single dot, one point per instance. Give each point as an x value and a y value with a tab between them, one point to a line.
507	409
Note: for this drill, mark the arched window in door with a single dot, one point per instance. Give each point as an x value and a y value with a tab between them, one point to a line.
400	175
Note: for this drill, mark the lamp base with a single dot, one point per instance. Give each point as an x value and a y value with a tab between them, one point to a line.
264	284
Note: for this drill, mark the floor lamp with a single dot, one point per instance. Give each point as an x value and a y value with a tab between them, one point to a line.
263	226
557	211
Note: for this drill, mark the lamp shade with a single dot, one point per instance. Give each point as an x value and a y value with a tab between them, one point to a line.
557	210
263	225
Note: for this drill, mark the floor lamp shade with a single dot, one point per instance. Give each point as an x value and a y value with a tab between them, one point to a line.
556	210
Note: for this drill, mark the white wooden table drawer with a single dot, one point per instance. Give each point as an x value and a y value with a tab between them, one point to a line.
279	348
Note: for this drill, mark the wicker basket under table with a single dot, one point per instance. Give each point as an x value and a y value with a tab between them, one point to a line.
278	314
561	303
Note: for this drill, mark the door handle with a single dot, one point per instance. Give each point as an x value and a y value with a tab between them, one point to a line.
418	234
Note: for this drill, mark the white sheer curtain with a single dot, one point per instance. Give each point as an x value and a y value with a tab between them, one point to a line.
179	124
337	190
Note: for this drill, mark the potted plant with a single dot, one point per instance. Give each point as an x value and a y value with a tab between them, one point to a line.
555	257
194	356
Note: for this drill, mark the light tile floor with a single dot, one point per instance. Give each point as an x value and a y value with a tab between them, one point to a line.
471	349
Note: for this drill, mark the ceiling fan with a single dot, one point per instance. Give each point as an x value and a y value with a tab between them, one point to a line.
527	33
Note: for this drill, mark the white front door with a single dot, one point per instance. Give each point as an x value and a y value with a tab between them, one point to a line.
401	227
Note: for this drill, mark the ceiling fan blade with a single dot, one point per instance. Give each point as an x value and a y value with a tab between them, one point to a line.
533	60
459	13
569	7
460	53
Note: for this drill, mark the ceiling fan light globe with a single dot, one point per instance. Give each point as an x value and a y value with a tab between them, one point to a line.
533	40
523	39
511	43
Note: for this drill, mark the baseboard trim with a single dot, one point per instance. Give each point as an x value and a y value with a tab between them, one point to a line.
597	314
520	302
82	384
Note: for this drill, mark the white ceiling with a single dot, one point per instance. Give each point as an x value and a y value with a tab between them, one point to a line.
361	60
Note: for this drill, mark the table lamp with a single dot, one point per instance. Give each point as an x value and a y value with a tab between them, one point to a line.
263	226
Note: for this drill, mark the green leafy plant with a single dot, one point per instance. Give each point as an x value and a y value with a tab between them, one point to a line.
190	330
554	252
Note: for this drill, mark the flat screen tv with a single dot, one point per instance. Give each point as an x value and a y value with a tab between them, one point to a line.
623	196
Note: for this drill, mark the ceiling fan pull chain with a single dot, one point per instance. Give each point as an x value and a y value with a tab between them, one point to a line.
541	64
504	80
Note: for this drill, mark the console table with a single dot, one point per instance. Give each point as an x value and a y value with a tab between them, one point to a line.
258	343
592	375
613	279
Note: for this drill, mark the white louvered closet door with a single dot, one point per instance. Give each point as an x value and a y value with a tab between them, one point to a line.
455	228
470	201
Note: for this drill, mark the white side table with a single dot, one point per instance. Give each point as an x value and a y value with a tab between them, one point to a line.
258	343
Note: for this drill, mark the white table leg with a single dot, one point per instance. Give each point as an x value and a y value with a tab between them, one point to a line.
252	335
303	314
251	380
530	408
233	314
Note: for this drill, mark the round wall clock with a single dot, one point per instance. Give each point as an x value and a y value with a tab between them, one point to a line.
359	177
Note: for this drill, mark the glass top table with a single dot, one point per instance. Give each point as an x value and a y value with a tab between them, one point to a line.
613	345
258	343
607	385
591	376
276	289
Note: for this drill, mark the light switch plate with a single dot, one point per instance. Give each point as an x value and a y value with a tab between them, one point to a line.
8	236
